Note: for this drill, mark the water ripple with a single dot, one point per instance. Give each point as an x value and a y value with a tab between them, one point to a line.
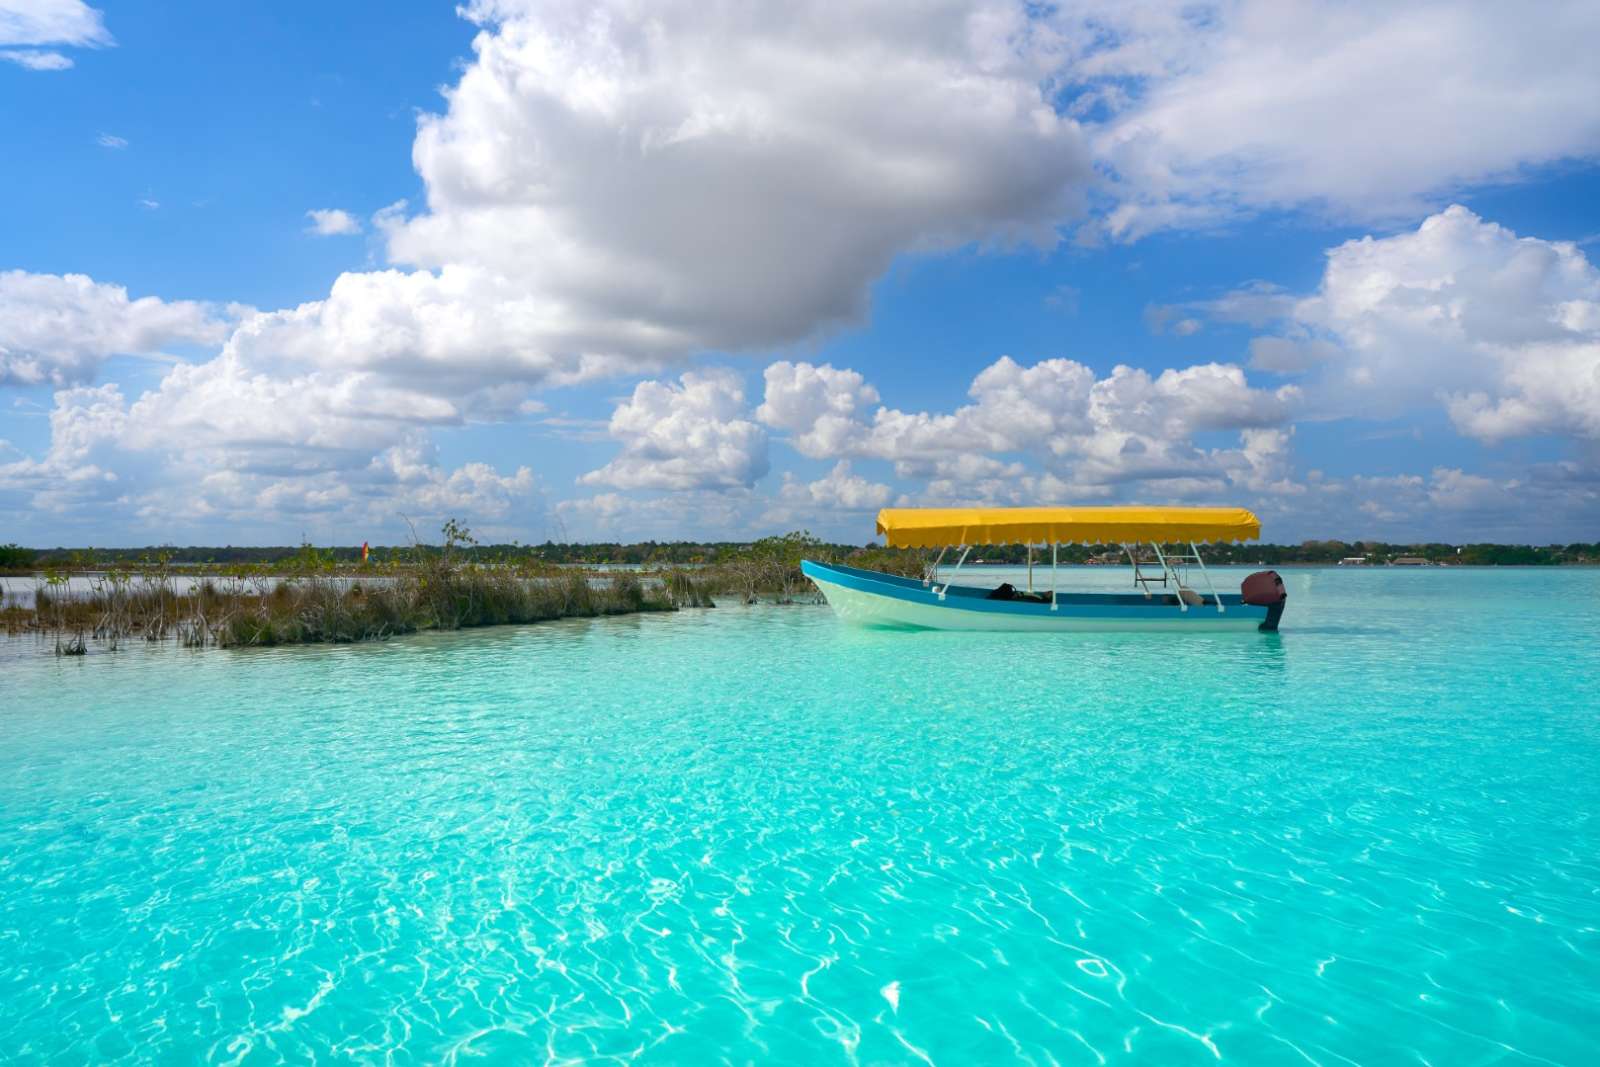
751	835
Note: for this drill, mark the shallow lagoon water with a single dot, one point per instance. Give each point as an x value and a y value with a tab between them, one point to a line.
754	835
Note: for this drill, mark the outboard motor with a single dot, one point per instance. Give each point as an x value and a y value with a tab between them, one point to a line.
1265	589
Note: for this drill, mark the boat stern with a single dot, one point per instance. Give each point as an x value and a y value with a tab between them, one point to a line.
1265	589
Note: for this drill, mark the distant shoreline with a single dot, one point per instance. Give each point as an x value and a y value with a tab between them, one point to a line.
201	570
18	560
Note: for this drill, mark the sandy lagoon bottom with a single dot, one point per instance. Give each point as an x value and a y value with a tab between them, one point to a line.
755	835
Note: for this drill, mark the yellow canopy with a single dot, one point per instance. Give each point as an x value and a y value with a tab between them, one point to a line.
940	527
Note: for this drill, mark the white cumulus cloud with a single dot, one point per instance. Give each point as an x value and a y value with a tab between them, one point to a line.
839	489
818	404
691	435
58	328
1503	330
1092	434
162	472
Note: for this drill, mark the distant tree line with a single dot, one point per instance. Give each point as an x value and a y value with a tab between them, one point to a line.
1381	552
680	553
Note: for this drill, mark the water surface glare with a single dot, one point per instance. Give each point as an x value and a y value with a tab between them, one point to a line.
754	835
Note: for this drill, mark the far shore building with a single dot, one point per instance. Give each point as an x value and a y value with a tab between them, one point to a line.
1353	561
1411	561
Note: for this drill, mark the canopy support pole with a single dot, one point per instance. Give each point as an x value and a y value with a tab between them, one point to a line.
1183	605
927	579
1030	568
1139	581
1207	576
964	550
1053	553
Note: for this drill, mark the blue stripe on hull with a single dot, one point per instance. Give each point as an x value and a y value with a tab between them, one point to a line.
873	598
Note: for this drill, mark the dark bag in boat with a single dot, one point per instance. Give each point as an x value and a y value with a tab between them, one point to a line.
1007	591
1263	587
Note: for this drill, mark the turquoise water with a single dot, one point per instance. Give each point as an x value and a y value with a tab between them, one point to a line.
753	835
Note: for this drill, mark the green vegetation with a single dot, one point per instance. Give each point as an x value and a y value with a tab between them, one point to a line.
16	558
770	567
734	555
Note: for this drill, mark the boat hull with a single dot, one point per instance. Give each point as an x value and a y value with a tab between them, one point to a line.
867	598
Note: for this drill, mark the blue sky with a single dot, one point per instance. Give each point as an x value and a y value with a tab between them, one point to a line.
600	271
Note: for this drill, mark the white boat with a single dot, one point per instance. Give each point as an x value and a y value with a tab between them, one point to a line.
1163	597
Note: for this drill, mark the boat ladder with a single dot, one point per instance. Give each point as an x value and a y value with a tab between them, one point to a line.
1170	563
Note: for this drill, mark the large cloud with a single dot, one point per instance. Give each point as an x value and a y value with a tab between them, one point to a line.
1503	330
1364	109
620	183
58	329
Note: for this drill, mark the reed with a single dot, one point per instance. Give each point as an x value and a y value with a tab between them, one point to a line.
688	589
318	609
315	597
311	600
